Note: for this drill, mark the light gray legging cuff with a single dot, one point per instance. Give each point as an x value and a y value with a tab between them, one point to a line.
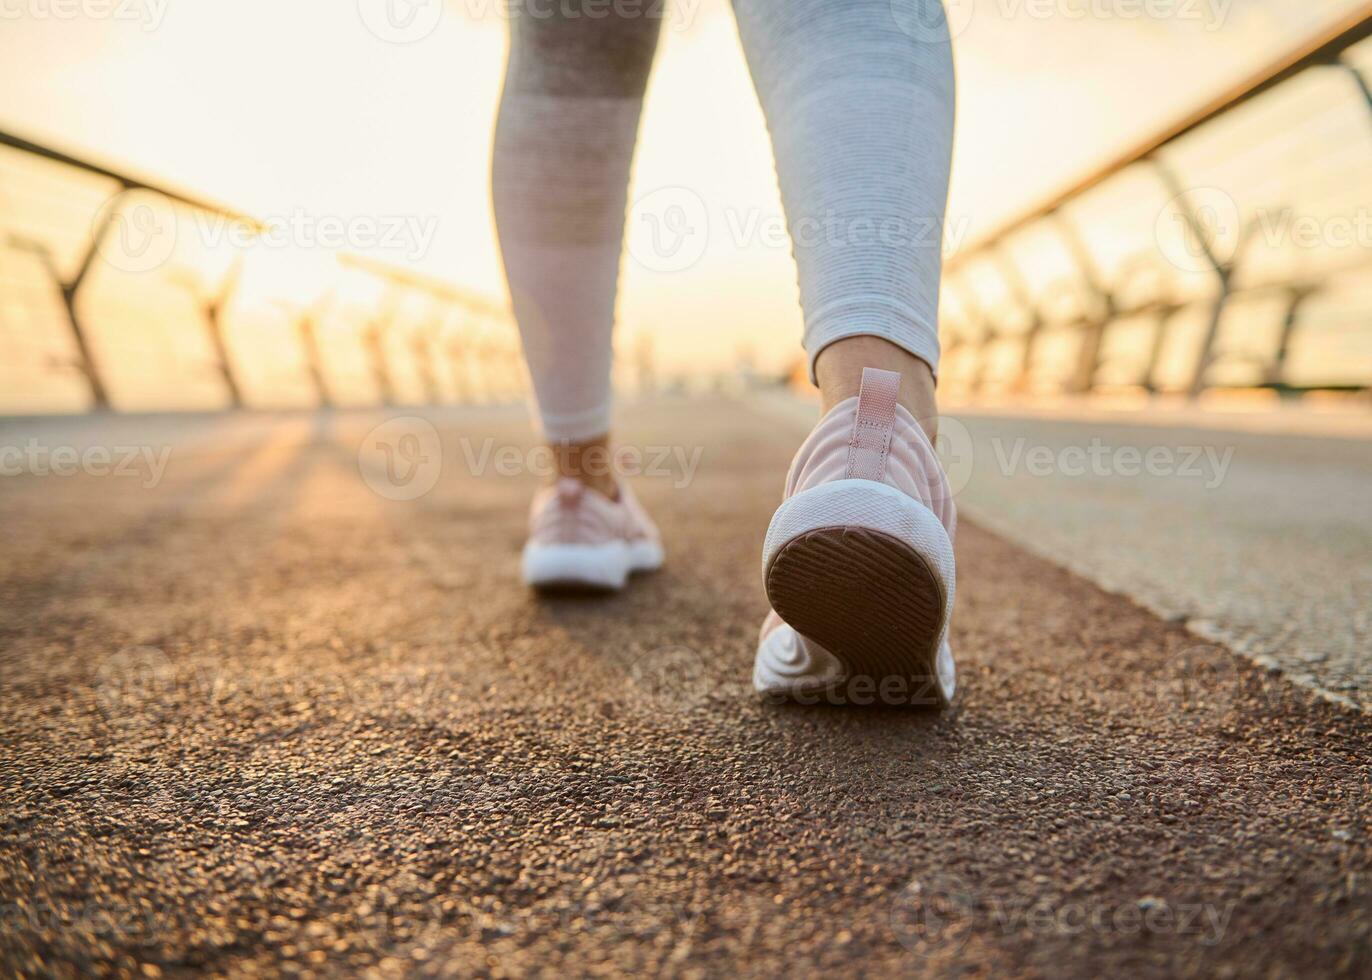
858	96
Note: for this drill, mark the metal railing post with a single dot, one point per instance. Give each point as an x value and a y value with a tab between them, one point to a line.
1223	274
1019	289
69	290
1359	79
1088	356
214	317
1328	46
374	340
308	325
85	362
1155	349
421	344
306	322
1277	370
978	316
452	347
212	307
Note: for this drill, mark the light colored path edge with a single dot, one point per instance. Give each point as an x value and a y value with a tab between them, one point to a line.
796	410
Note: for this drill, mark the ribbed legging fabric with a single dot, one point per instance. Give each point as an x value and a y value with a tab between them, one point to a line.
858	97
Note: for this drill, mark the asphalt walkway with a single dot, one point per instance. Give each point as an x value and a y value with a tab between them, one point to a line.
262	714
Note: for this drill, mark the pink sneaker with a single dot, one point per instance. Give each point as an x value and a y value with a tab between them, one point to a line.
579	538
858	560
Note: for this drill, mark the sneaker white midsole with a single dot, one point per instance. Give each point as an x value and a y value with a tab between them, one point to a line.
874	507
606	565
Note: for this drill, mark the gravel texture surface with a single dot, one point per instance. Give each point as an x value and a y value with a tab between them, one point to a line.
261	718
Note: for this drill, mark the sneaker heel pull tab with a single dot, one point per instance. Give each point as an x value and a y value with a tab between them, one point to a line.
870	442
569	491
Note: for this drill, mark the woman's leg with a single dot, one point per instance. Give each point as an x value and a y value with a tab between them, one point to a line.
858	96
563	146
858	559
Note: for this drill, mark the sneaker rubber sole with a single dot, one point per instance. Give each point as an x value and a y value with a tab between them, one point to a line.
587	567
865	571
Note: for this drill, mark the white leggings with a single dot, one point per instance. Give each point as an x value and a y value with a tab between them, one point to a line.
858	96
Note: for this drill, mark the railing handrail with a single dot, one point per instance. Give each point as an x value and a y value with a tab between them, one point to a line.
129	181
395	273
418	280
1321	48
70	284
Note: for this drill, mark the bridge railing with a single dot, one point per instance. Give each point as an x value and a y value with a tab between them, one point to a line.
1232	249
118	292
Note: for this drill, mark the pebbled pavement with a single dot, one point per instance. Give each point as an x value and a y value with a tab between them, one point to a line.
262	719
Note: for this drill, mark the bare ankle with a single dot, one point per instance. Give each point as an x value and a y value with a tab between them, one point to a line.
839	372
589	462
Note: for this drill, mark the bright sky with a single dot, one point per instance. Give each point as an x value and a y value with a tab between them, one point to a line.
282	107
